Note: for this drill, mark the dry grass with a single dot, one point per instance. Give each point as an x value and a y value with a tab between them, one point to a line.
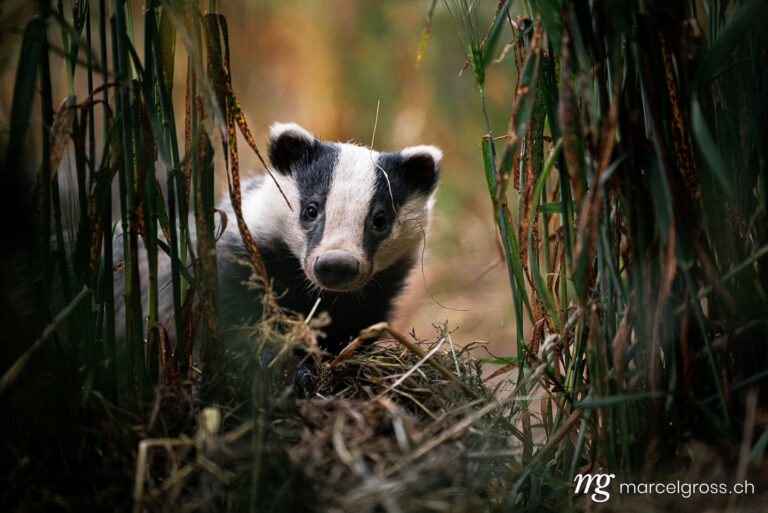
381	430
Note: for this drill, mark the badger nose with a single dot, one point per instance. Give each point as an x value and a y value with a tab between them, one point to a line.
336	268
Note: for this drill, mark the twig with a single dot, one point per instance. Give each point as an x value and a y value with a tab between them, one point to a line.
412	369
376	330
565	428
10	376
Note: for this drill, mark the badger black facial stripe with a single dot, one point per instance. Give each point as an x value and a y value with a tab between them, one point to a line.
313	178
402	178
382	200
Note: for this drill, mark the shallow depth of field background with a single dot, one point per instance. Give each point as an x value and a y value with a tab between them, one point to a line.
324	64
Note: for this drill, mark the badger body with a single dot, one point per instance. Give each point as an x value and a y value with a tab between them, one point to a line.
347	228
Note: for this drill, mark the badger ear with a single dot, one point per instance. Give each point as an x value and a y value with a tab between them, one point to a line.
288	143
421	167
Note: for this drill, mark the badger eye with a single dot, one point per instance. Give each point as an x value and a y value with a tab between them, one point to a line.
310	212
379	222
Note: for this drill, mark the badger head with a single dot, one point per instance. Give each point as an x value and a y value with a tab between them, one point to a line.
354	211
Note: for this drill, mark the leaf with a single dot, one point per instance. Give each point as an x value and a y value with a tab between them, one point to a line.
492	39
190	319
528	222
168	358
167	50
498	372
751	15
549	11
79	12
514	266
425	32
661	196
616	400
78	42
146	83
500	361
156	338
219	66
505	168
551	208
182	268
569	120
527	91
508	238
538	280
683	151
708	147
60	132
97	231
32	47
756	455
488	166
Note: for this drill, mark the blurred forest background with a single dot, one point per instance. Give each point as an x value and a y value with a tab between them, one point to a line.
350	55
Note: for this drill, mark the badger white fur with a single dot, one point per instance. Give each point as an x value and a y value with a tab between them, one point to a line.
352	233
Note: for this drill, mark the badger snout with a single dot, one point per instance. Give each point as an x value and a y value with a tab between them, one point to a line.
337	269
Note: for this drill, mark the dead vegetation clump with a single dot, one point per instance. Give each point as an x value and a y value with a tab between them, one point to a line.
381	429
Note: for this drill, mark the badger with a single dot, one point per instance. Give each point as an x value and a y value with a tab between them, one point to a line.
346	225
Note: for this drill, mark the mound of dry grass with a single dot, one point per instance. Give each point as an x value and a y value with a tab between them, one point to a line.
380	429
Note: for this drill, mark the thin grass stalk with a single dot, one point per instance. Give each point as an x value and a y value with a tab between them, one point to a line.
192	182
71	51
129	31
121	165
91	113
176	278
713	365
48	333
61	247
24	90
52	199
82	239
195	154
150	192
203	173
506	232
79	254
70	65
45	170
465	20
107	284
171	148
133	330
143	157
94	313
212	335
185	180
182	192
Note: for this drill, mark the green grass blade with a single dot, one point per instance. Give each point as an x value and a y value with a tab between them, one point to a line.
33	46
